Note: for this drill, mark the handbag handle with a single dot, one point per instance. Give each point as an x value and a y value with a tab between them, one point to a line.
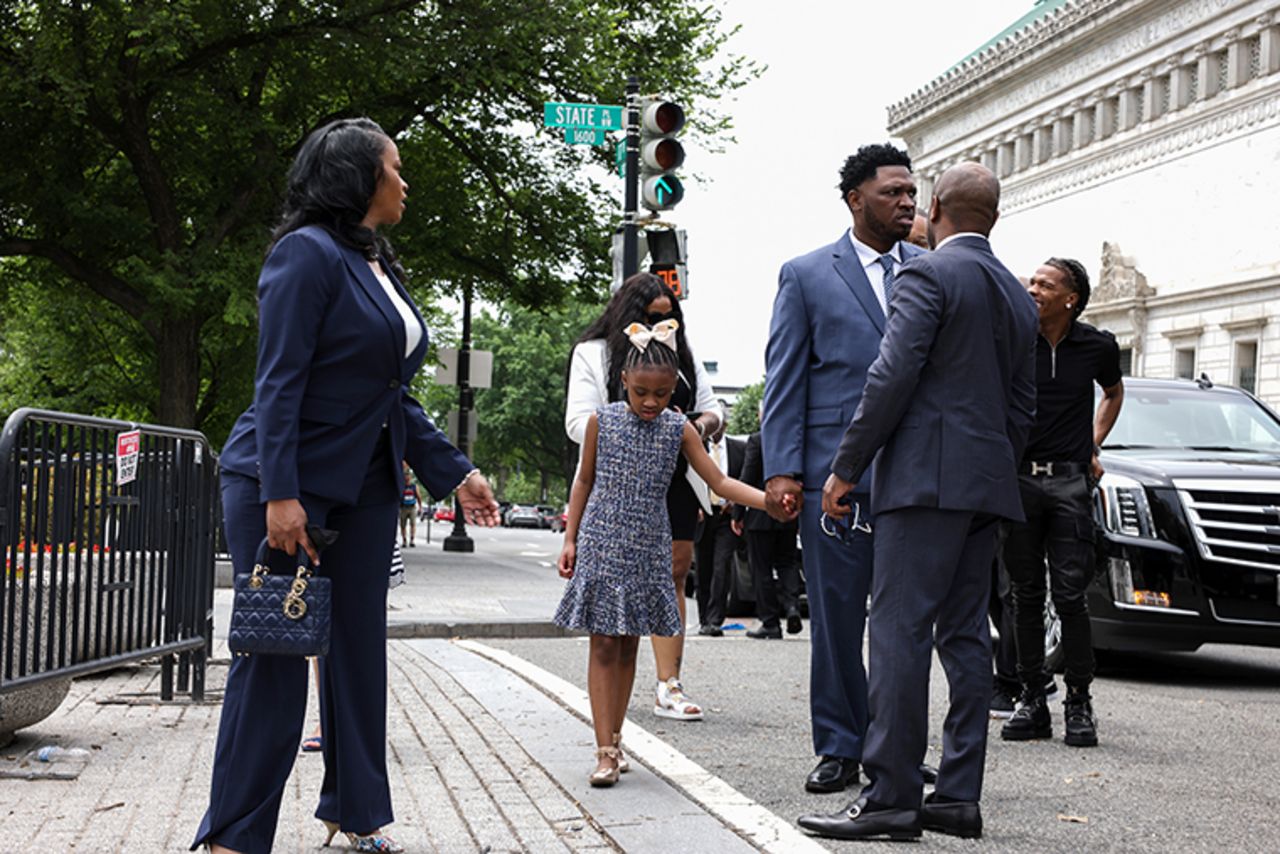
295	607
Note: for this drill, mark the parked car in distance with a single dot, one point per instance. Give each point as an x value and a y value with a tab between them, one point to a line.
548	513
1189	520
524	516
444	513
560	520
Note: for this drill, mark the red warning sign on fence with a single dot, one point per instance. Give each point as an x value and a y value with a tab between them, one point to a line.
127	446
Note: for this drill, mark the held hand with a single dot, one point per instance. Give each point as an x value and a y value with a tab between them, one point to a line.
736	526
478	505
783	497
287	528
567	556
1096	469
833	490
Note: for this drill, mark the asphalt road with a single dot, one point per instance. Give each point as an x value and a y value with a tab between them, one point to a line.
1187	759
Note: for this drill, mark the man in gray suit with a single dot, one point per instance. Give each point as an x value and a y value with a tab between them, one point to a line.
950	398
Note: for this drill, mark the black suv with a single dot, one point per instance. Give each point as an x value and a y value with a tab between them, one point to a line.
1189	520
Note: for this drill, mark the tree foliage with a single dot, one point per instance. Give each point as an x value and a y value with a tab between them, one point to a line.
521	418
744	418
146	144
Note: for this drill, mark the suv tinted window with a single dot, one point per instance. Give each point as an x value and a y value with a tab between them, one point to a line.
1170	417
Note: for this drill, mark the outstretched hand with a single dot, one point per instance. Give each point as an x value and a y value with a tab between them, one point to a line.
833	491
783	497
478	504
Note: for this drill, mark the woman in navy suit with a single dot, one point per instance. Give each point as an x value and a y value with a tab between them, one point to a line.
339	340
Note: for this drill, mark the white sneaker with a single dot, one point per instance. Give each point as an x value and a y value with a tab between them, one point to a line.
673	703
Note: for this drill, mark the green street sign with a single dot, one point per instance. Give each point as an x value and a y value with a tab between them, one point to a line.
598	116
584	136
620	157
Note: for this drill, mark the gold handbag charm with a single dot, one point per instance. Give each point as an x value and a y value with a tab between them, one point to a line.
295	607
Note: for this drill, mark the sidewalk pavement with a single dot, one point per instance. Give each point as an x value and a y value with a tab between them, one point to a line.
480	758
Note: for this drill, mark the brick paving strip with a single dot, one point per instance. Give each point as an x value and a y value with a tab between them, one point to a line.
460	780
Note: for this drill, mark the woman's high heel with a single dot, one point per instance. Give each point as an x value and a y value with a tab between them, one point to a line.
378	843
623	765
604	777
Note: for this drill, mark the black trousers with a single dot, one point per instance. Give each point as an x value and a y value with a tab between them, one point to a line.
714	551
772	551
1004	650
1060	526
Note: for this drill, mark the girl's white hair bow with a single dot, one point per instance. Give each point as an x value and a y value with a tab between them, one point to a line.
664	331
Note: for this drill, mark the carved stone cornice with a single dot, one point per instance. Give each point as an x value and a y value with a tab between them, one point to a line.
1184	132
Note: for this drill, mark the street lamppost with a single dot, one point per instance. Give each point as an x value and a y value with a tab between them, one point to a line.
458	540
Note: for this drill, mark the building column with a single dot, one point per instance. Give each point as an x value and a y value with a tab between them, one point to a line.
1104	116
1154	86
1269	37
1082	125
1237	60
1211	81
1180	87
1129	108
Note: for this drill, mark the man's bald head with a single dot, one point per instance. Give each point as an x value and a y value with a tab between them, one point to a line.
967	196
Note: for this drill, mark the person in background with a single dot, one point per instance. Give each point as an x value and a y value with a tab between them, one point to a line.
1056	478
595	378
717	541
771	547
408	509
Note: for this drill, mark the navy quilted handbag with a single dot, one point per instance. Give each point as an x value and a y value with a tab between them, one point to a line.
280	614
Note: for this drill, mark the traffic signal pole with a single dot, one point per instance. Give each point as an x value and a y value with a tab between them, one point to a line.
458	540
631	182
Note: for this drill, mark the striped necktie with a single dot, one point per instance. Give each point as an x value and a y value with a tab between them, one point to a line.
886	261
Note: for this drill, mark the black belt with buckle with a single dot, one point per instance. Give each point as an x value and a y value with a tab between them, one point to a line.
1052	469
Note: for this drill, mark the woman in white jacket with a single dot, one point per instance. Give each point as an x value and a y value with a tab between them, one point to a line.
595	370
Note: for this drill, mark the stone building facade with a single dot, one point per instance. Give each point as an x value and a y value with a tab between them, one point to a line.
1141	137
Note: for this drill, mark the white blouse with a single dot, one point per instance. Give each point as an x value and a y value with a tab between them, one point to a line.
412	327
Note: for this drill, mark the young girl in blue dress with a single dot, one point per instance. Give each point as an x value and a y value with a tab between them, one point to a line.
617	541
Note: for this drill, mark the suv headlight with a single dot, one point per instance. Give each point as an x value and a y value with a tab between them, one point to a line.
1125	509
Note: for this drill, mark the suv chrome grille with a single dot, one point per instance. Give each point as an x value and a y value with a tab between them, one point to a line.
1235	521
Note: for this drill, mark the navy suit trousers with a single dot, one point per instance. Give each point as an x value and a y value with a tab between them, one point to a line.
837	576
932	583
266	696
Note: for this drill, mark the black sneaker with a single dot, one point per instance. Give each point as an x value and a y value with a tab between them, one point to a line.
1082	728
1030	720
1002	704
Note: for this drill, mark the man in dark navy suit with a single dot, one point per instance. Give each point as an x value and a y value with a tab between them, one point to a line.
948	404
828	317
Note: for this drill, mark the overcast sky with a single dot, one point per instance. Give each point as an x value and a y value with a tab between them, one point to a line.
834	66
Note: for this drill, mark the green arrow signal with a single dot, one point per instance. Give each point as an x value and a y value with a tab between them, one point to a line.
663	190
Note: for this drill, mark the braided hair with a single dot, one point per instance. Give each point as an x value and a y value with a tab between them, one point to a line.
1077	280
657	356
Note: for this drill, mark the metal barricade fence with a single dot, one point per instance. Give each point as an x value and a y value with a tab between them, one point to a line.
100	572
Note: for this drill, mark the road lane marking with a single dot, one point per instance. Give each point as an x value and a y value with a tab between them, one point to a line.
754	822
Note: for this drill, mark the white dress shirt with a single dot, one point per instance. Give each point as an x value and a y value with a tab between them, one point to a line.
870	259
412	327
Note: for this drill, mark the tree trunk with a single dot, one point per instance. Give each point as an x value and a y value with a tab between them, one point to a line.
178	366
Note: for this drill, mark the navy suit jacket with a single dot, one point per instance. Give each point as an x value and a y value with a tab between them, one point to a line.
824	335
951	396
331	372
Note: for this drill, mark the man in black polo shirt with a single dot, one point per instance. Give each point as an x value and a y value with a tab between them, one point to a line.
1058	473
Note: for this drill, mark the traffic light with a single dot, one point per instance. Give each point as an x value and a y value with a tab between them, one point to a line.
668	251
660	154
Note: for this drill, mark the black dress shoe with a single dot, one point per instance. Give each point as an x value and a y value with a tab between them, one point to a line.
711	631
929	774
762	633
954	818
864	820
832	774
793	623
